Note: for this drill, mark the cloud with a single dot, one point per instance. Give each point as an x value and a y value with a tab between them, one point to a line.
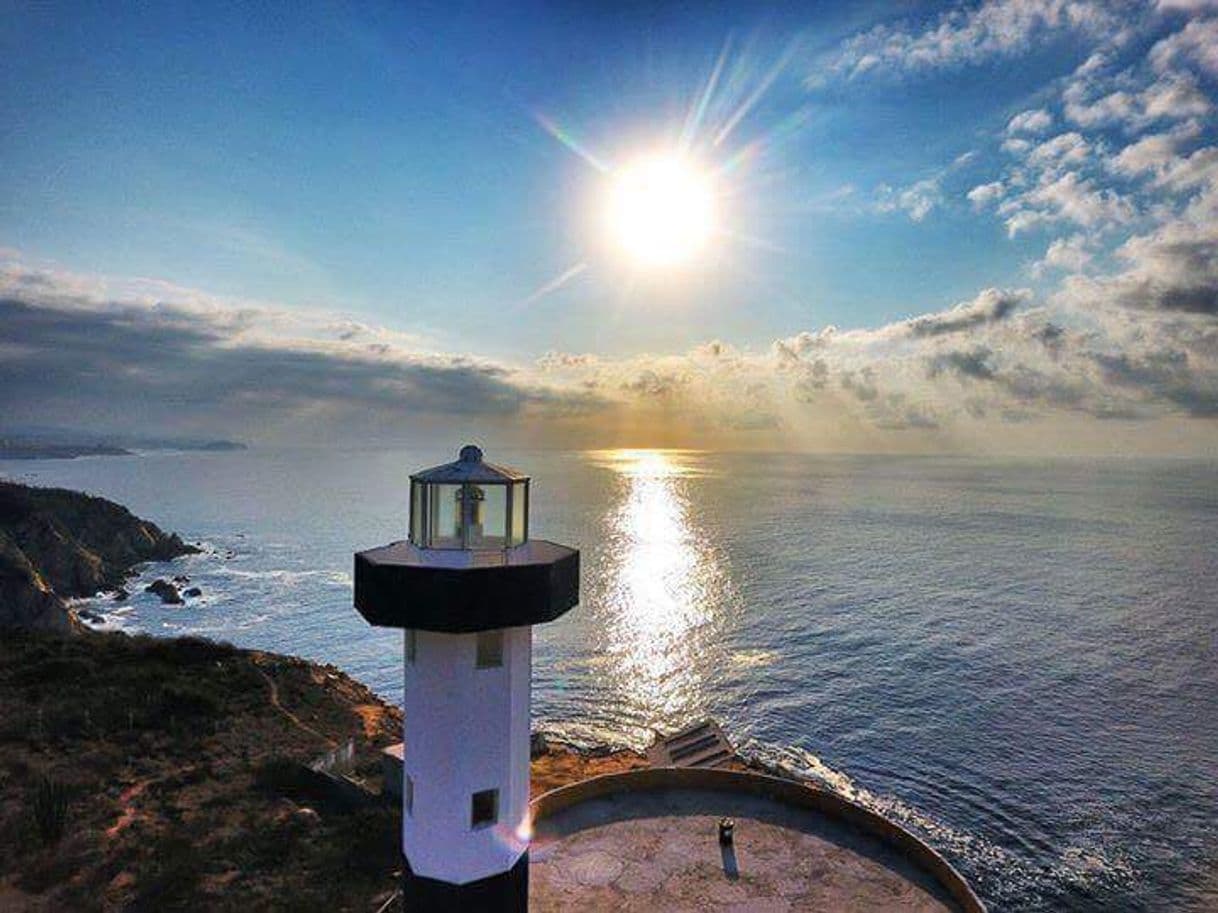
83	360
1064	149
1174	268
1154	152
962	36
918	200
1186	6
1067	197
974	363
990	306
1196	45
1070	254
1163	374
985	194
1035	121
1183	173
1172	96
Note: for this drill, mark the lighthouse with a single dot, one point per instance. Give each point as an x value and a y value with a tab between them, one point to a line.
466	587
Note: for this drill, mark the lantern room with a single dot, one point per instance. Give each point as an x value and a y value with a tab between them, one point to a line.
469	504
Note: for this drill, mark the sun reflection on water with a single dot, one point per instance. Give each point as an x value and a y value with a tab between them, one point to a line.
664	589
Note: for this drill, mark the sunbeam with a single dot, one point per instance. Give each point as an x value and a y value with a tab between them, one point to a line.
556	283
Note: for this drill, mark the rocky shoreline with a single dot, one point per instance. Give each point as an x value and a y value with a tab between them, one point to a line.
57	545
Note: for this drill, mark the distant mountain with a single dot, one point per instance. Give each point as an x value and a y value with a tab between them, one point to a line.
33	442
33	450
56	544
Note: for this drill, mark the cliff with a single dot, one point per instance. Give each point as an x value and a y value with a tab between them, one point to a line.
56	544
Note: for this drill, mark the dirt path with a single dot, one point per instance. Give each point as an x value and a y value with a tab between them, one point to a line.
295	720
127	799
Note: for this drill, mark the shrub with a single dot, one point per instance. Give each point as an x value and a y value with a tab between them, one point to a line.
189	651
171	881
282	777
188	700
51	803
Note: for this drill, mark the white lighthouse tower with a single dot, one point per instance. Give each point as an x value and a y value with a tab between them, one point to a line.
467	587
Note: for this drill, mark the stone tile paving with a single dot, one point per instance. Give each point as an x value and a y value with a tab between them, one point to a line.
659	851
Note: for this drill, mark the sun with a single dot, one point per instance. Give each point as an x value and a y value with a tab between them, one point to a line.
660	210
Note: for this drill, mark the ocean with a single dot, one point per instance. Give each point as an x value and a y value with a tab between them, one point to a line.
1015	659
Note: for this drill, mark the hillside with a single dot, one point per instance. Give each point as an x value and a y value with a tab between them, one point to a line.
56	544
141	774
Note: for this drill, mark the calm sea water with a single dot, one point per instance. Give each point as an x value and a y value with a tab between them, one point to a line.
1016	659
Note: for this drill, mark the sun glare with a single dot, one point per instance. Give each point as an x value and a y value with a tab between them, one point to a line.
661	211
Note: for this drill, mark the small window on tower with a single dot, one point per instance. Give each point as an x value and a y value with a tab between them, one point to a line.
484	809
490	649
408	795
411	647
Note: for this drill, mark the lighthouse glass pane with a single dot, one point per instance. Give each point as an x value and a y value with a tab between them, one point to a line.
520	507
489	531
416	513
443	516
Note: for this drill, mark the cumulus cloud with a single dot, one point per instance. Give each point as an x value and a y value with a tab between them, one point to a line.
1153	152
1068	197
986	194
1196	45
918	199
1062	150
1072	254
1092	101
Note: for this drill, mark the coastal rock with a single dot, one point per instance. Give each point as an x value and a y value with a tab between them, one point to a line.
120	595
26	601
56	544
167	591
193	592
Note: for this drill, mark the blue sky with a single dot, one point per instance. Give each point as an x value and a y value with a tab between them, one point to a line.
388	163
389	166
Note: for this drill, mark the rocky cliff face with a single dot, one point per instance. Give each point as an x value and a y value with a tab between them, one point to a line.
56	544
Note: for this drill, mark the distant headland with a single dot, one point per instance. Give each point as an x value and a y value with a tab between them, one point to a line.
59	444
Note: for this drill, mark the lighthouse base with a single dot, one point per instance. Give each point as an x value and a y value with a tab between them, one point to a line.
507	892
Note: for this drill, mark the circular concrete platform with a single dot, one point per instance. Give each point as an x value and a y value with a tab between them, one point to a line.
648	840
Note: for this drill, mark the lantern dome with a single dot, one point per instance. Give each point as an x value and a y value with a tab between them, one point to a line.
469	504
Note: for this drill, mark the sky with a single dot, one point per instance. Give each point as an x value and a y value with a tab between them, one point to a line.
965	227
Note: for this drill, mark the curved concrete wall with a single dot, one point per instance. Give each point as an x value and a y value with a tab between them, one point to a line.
789	792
